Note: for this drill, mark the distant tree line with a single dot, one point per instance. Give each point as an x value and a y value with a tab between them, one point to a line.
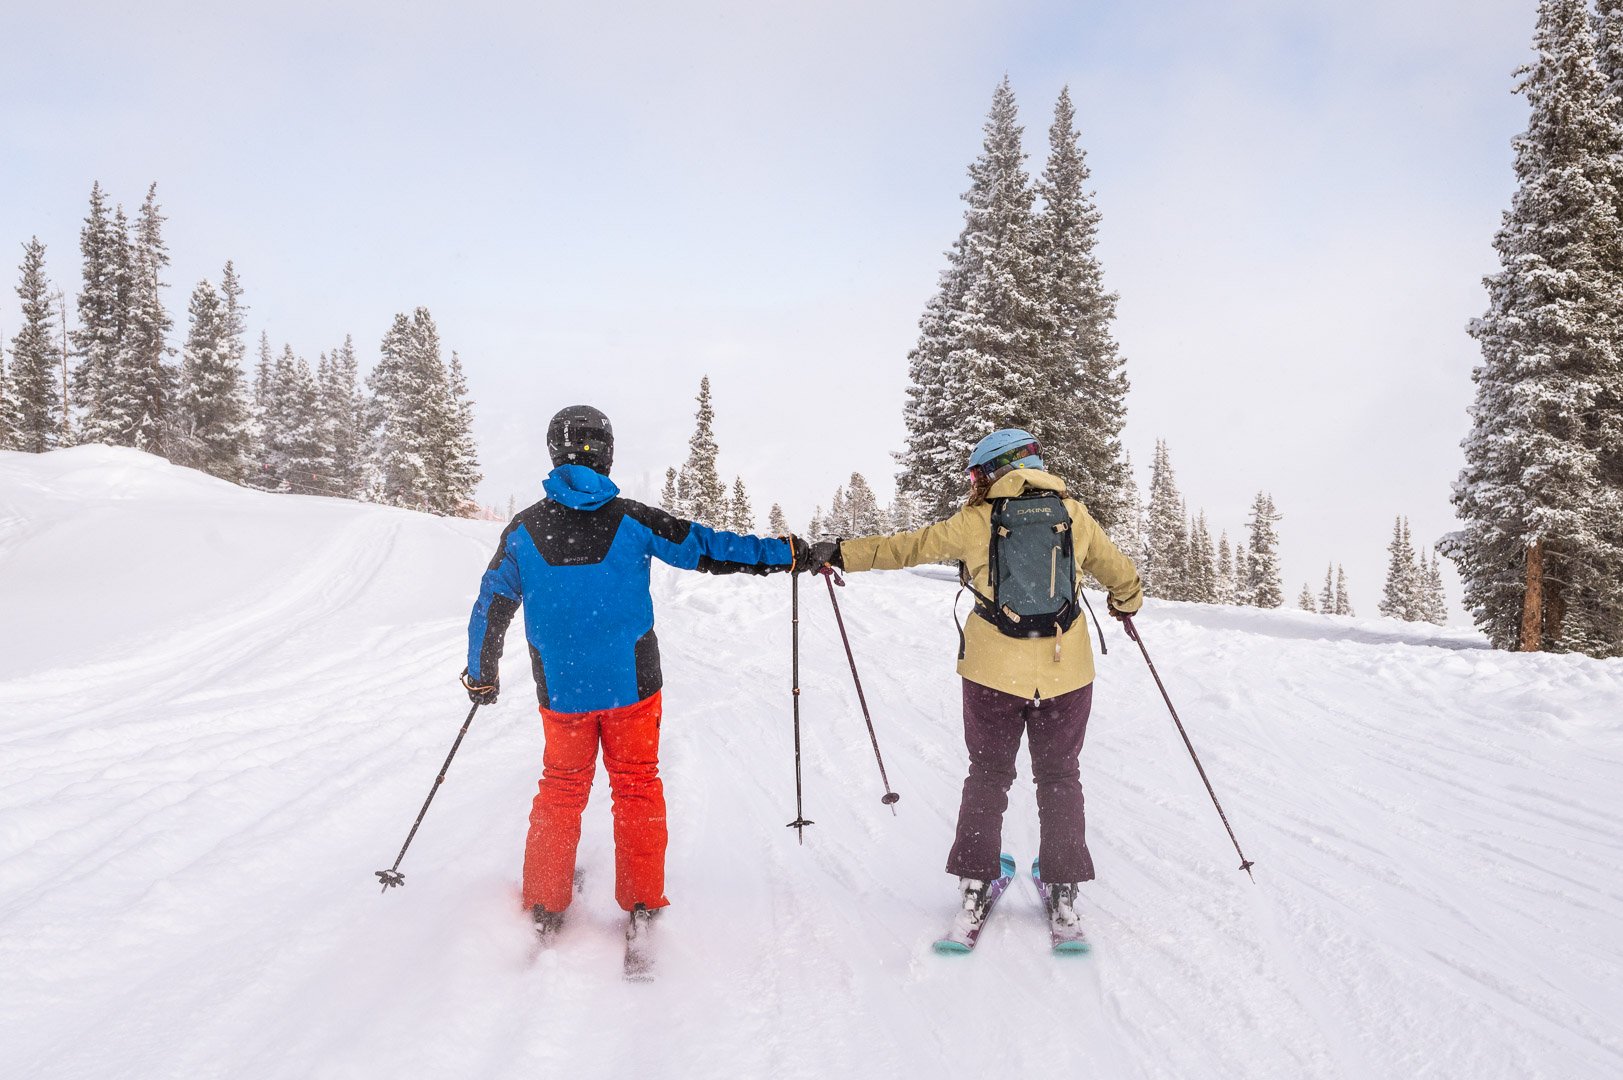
406	441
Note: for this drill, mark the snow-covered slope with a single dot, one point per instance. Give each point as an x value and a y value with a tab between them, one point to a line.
220	710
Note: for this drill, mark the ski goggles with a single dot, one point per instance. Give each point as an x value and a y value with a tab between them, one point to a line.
987	471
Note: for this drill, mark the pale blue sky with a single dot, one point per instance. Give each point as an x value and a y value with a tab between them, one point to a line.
603	204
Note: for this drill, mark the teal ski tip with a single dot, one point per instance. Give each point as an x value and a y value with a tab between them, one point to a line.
951	948
1006	865
1072	948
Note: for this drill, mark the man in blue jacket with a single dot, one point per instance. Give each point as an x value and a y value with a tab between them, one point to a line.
578	561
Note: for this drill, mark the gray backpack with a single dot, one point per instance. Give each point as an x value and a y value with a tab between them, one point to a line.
1032	567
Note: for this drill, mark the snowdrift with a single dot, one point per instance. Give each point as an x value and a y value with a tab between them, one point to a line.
220	709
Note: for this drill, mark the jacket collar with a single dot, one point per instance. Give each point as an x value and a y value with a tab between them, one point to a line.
1016	481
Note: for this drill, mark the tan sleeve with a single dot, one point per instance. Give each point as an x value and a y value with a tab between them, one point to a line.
1104	560
945	541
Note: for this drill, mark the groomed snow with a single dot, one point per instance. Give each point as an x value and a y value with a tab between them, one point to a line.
220	711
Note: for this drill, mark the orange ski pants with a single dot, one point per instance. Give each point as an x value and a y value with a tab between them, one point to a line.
630	739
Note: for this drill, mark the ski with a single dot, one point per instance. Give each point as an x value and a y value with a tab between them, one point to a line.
1065	934
967	924
639	959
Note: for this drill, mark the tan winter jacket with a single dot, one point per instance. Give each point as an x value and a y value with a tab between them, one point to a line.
1024	667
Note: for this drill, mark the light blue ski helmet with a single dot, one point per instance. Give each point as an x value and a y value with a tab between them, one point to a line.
1009	448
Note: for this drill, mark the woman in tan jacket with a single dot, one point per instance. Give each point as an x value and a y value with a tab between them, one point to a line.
1014	683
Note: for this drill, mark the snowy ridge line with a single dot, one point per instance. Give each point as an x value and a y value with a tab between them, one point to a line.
187	841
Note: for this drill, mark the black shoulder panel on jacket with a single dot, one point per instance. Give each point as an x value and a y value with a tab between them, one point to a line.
661	524
567	537
501	545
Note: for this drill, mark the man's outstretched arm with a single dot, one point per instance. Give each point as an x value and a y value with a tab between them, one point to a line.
500	592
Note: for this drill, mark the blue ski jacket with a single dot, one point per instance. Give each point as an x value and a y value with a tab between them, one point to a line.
579	562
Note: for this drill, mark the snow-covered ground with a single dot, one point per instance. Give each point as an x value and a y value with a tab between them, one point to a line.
220	710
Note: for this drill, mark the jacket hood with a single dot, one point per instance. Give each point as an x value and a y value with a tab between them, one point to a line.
1015	481
579	488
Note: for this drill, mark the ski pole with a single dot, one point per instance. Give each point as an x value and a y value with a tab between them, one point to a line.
393	876
799	823
1132	632
830	578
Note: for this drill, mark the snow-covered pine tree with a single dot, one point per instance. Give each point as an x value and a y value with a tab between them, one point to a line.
1541	494
103	247
700	481
837	522
34	392
670	497
1327	597
1165	546
1202	577
905	515
1305	601
814	528
9	417
740	514
1398	598
459	472
1436	609
398	388
1078	416
978	361
862	508
262	410
343	427
1242	576
1225	570
776	523
211	426
1343	601
1265	585
298	453
1128	530
147	381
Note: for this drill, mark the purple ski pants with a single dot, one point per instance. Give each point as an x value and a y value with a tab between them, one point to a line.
1054	728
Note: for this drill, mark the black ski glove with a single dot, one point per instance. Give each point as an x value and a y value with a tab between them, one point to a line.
825	553
481	695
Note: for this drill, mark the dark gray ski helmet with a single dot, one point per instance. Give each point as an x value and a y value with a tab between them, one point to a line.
581	435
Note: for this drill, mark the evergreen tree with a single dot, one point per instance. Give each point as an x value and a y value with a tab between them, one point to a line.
838	521
1202	577
700	481
1264	585
670	499
1343	602
1398	599
10	417
740	514
459	473
776	523
34	392
905	515
977	366
342	423
298	453
1327	597
147	382
1079	416
97	342
1541	494
1242	576
423	454
862	508
1305	600
1128	529
1166	547
1225	571
261	473
814	528
1436	603
212	424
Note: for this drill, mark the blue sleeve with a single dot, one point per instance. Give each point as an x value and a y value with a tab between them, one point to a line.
687	545
500	592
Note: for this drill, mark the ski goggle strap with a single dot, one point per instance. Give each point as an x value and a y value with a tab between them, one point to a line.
987	469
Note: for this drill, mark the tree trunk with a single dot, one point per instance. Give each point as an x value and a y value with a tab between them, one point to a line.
1533	600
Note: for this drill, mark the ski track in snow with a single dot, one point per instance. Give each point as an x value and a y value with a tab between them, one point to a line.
220	711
